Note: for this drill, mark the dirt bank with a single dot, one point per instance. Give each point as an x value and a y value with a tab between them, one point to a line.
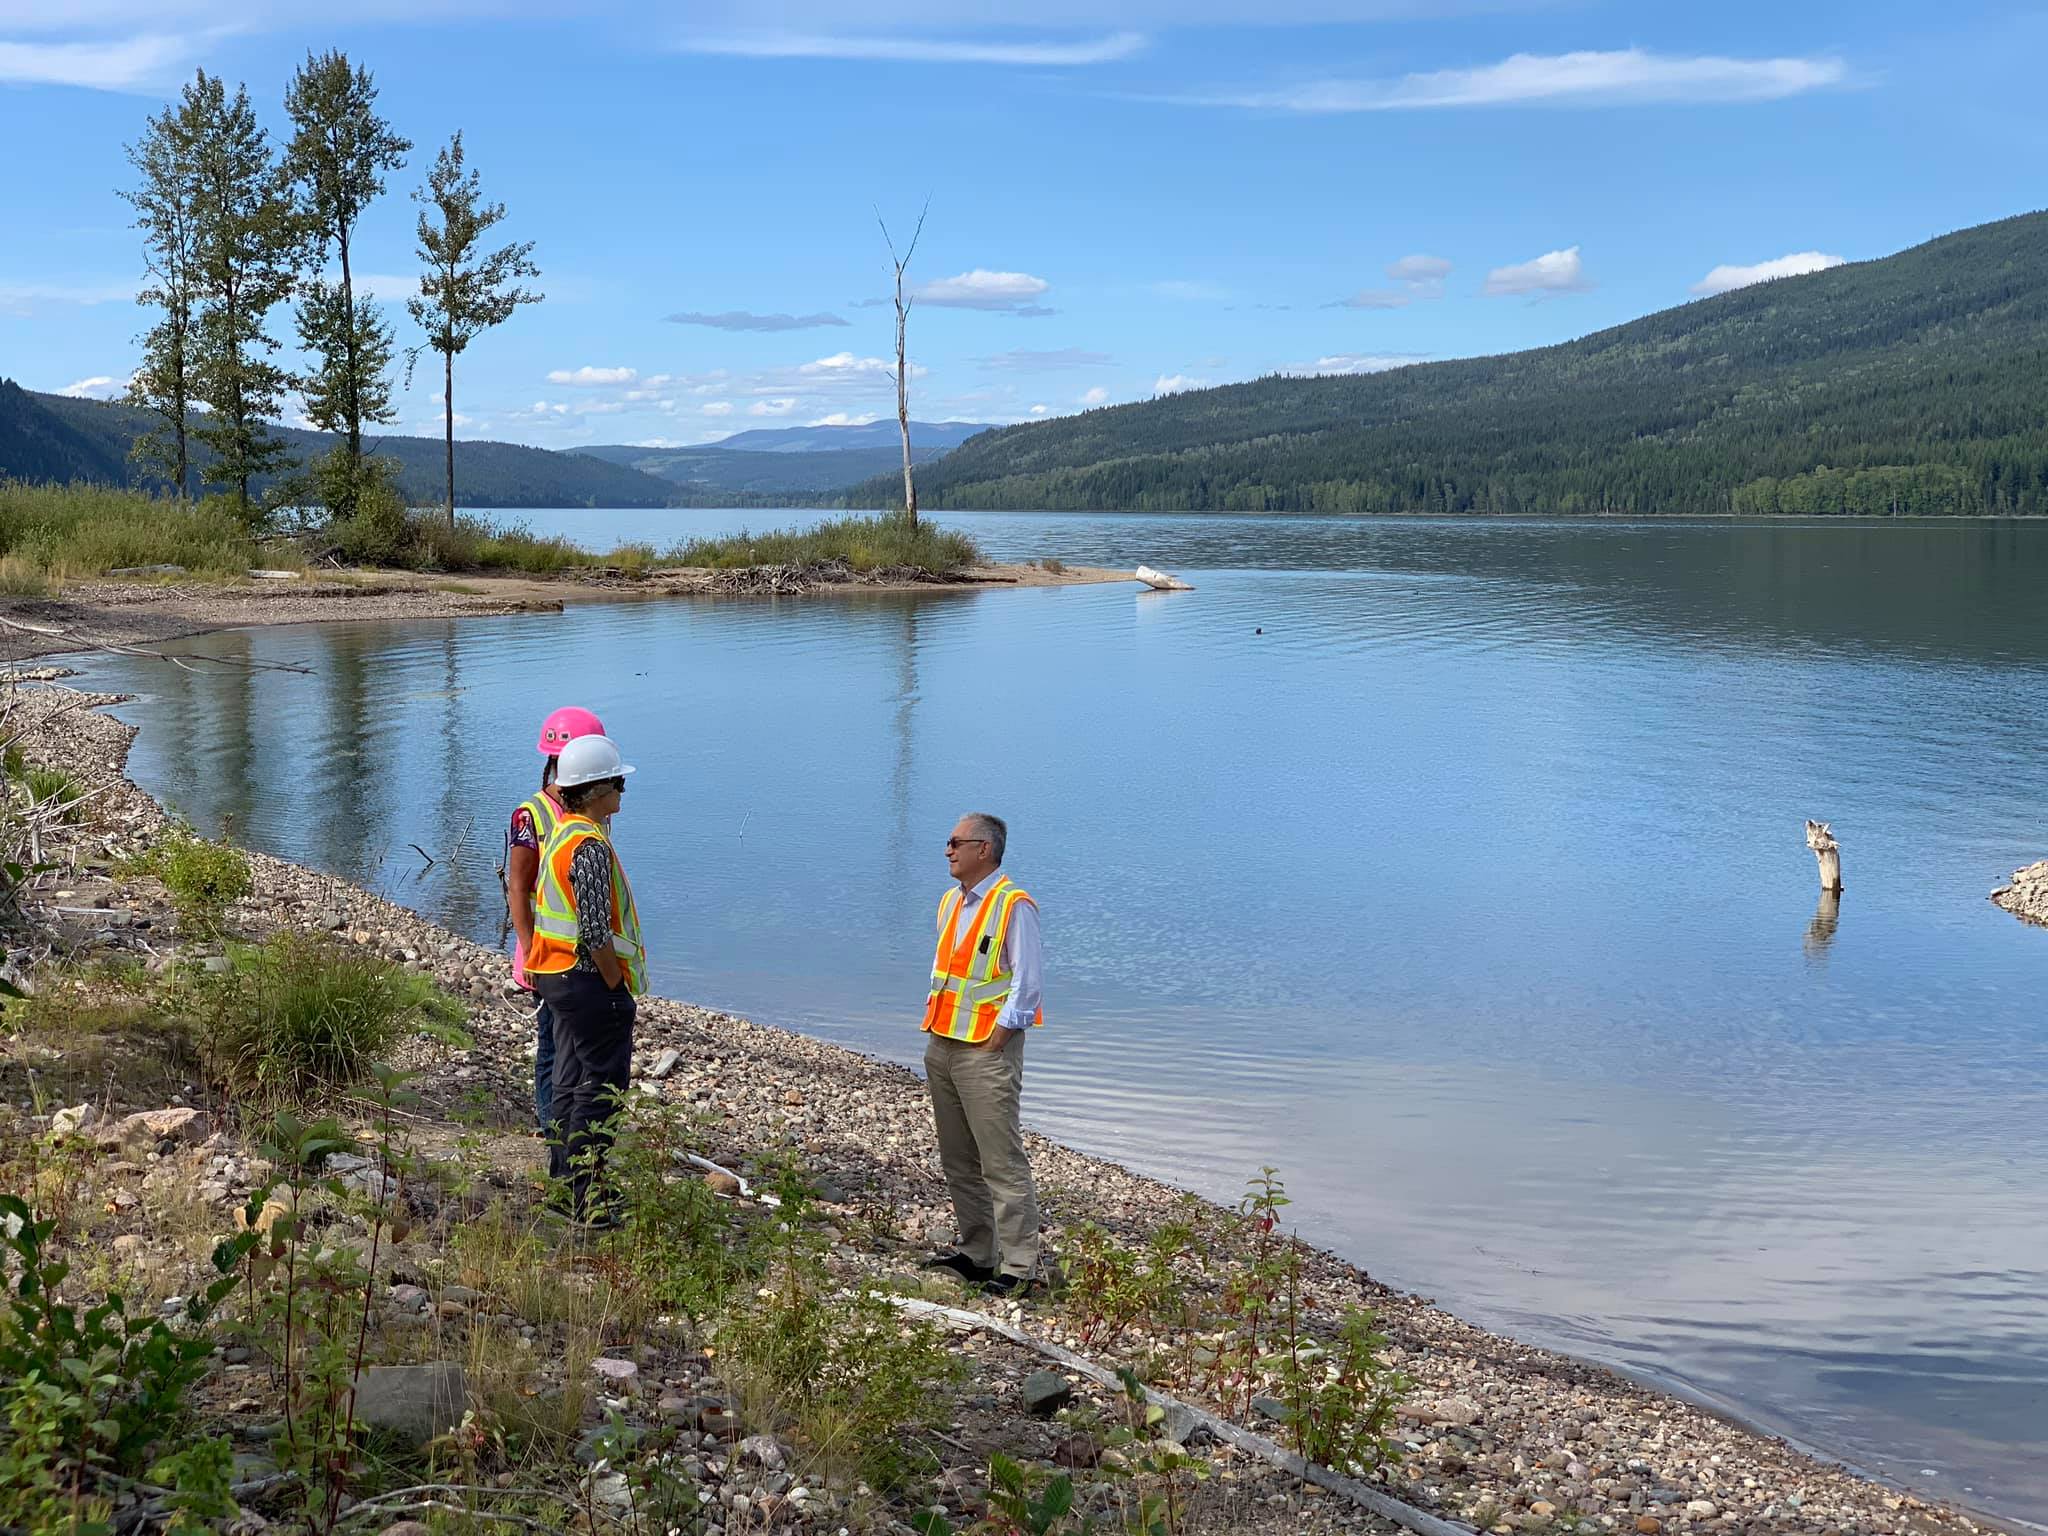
95	615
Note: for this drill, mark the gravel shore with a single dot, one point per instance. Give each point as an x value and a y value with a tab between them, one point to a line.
1520	1439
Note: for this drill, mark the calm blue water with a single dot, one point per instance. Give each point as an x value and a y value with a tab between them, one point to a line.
1472	892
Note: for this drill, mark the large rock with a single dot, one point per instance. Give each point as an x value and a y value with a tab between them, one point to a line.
1046	1392
182	1125
412	1403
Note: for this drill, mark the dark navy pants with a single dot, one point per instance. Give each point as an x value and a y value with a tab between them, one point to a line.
592	1069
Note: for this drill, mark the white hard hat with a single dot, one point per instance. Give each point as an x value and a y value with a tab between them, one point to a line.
587	759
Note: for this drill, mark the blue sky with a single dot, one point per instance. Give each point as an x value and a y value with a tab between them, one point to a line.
1127	196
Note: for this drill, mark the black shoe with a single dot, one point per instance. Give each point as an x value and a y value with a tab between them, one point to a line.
961	1265
1013	1287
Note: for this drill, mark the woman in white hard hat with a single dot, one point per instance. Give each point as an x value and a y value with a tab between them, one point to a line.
586	960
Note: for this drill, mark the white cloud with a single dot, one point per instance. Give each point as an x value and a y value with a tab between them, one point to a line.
1040	410
1419	277
780	407
119	64
1552	272
1176	383
1096	396
1015	292
587	377
717	408
1616	77
1798	264
1355	363
1376	298
844	419
99	387
918	50
1420	270
846	365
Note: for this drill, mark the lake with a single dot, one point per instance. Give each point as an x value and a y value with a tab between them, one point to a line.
1456	868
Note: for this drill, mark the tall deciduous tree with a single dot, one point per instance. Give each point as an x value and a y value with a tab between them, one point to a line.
463	292
248	250
165	204
339	152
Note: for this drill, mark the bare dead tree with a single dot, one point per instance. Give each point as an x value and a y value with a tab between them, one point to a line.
903	301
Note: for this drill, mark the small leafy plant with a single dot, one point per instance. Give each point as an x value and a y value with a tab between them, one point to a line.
93	1392
202	878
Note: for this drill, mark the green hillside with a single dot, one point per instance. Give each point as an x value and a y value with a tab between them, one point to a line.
56	438
1913	384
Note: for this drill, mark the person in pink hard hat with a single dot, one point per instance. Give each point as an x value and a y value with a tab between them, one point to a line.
531	824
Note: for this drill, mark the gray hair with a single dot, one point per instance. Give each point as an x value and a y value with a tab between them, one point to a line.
994	828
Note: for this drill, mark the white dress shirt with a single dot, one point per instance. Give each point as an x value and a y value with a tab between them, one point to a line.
1023	952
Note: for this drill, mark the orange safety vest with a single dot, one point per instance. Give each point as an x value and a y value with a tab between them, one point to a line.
555	928
969	984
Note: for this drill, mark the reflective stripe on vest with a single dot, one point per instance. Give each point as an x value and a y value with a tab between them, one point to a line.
545	813
969	985
555	926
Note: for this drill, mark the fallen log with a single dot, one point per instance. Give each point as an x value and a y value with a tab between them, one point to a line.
1364	1495
1159	581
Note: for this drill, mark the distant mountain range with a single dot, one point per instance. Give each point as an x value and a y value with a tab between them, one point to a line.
934	437
796	461
57	437
1917	383
54	437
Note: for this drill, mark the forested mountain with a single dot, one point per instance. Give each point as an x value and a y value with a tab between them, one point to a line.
1913	384
54	437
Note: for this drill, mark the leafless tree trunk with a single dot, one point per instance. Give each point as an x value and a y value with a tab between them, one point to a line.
1827	853
903	302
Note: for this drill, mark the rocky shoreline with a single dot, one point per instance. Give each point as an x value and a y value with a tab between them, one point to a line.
1495	1432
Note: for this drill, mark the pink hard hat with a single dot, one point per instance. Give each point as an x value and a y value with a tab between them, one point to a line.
564	726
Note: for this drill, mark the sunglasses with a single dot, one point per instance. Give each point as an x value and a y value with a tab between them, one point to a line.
955	842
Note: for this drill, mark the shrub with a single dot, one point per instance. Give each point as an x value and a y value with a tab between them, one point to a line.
850	1372
680	1248
203	878
300	1019
862	543
85	1393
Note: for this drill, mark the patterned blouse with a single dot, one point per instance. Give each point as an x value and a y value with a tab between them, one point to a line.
590	874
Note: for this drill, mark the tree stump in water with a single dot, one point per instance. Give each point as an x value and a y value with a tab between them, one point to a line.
1827	852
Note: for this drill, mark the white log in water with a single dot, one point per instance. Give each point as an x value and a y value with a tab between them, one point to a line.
1827	852
1159	581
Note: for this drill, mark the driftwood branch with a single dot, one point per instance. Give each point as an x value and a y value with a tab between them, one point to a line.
1364	1495
85	642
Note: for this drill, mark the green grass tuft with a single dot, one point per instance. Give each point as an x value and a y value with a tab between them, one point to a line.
863	543
300	1020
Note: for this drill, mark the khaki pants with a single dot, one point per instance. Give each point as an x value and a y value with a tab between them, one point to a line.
975	1099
